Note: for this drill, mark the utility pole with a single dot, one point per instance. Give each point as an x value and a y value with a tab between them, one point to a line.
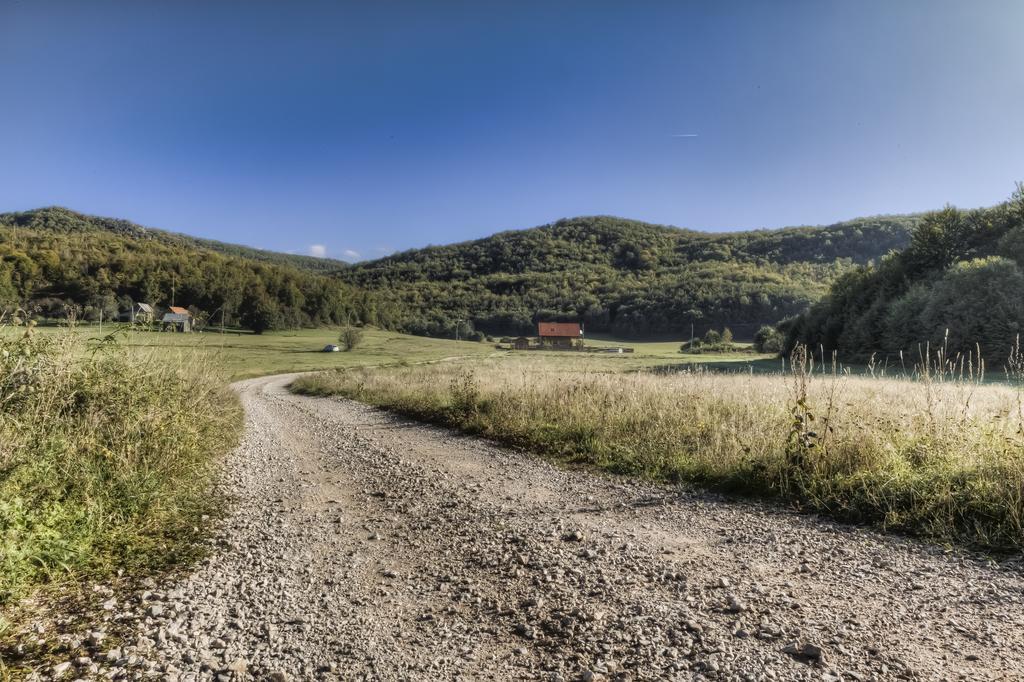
174	284
691	336
457	324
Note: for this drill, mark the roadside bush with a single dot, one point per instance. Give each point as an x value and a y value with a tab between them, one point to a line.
105	456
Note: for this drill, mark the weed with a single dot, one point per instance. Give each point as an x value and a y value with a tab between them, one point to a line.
105	456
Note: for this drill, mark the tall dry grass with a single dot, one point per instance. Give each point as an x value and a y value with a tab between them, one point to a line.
105	456
941	457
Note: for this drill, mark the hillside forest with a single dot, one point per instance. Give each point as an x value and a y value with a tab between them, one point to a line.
55	263
618	276
625	277
957	287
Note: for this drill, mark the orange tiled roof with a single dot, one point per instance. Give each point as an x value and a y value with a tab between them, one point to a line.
558	329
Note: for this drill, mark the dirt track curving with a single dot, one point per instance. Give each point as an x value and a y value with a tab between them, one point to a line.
363	545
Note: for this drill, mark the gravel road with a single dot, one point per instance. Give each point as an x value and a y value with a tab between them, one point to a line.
363	545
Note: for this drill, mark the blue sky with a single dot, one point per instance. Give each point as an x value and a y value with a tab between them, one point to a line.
367	127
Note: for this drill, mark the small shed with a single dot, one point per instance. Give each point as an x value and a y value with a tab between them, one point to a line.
521	343
178	319
560	334
141	313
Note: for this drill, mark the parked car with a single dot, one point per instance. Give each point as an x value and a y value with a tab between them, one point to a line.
331	348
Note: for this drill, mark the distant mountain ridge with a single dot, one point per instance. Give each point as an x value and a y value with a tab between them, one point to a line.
60	219
624	276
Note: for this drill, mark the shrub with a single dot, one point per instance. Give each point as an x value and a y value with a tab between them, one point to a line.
768	340
350	338
691	346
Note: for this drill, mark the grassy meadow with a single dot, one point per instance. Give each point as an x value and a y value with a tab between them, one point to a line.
243	355
938	457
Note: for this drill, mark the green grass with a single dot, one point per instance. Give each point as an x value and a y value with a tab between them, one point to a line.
105	457
243	355
941	459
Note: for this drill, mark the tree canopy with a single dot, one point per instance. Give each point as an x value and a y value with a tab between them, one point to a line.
959	284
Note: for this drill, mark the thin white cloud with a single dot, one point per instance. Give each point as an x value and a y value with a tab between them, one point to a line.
684	135
317	250
349	253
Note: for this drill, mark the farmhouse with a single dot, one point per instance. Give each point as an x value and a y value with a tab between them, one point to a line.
560	334
178	319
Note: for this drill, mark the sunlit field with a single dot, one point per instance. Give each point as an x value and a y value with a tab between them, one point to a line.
244	355
938	457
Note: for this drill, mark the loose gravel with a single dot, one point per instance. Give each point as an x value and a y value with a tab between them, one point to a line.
361	545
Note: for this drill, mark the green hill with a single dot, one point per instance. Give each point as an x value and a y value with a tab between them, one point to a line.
618	276
623	276
959	285
54	262
59	219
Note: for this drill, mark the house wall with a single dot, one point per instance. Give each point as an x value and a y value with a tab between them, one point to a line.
560	341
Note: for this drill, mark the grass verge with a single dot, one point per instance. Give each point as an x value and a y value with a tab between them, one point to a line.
106	457
939	459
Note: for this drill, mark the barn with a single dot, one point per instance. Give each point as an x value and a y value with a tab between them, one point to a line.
560	334
521	343
178	319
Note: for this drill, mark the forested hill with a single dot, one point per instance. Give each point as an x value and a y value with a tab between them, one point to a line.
959	285
55	261
624	276
60	219
621	276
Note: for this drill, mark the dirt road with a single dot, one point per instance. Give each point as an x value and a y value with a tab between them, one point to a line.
362	545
